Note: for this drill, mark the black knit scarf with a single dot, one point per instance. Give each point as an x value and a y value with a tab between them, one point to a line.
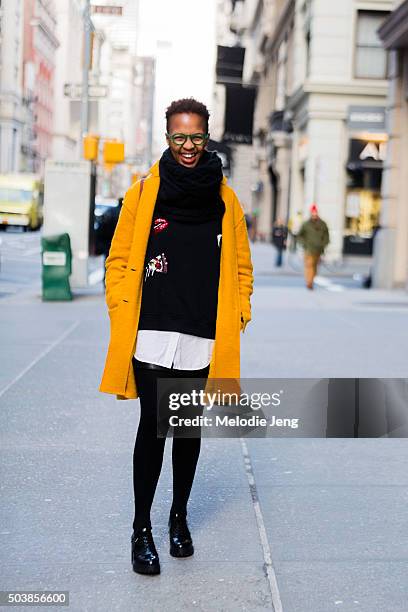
190	195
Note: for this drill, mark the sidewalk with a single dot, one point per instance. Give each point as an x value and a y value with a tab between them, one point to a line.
67	484
278	524
265	254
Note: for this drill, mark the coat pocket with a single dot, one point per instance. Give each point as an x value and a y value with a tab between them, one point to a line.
113	310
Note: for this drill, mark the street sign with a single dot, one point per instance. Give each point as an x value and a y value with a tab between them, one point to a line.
74	91
106	10
367	118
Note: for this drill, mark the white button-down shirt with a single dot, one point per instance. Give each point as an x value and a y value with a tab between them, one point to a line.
170	348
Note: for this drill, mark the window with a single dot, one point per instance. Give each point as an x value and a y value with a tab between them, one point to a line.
13	194
371	57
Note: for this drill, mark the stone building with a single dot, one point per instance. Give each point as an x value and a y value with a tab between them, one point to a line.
320	121
40	45
391	243
11	101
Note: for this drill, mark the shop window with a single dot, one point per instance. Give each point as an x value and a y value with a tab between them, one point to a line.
371	57
363	208
362	211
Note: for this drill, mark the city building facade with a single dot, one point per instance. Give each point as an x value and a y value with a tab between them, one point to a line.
268	24
11	101
67	144
143	110
391	242
40	45
320	114
229	34
126	112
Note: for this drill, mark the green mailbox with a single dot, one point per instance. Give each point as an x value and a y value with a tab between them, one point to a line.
56	267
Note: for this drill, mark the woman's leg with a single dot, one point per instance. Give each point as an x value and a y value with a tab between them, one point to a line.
149	449
185	454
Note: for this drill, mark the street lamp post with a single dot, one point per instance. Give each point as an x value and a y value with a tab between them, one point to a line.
86	67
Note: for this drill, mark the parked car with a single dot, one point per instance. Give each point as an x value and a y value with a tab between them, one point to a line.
106	216
21	200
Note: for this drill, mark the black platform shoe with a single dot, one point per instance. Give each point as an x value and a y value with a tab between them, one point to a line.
145	559
181	544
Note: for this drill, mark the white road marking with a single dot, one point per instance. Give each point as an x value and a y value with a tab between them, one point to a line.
14	259
35	251
268	565
326	283
39	357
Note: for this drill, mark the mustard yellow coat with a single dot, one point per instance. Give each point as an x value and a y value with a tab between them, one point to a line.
124	283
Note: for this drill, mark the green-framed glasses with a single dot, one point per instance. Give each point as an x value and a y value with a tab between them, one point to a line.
180	139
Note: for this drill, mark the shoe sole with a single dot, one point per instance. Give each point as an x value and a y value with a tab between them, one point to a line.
175	552
147	570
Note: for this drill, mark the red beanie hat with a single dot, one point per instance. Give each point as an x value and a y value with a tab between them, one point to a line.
313	208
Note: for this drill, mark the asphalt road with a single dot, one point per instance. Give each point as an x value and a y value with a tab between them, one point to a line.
292	524
20	260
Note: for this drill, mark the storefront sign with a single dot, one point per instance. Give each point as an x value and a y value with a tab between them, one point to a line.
367	118
230	64
374	150
365	153
239	114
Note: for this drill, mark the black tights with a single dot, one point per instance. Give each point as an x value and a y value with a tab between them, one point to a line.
149	449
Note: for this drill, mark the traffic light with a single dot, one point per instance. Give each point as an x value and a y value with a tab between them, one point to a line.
90	147
113	152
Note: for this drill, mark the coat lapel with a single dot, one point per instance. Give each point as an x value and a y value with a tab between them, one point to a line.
143	222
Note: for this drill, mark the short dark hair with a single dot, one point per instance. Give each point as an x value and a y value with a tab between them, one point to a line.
187	105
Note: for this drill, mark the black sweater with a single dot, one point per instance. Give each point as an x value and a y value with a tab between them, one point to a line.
180	286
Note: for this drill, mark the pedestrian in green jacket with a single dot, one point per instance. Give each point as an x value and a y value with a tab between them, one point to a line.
314	236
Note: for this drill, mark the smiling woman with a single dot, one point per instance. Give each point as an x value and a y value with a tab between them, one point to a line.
178	286
187	130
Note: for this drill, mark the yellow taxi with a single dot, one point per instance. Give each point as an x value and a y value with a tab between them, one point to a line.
21	200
